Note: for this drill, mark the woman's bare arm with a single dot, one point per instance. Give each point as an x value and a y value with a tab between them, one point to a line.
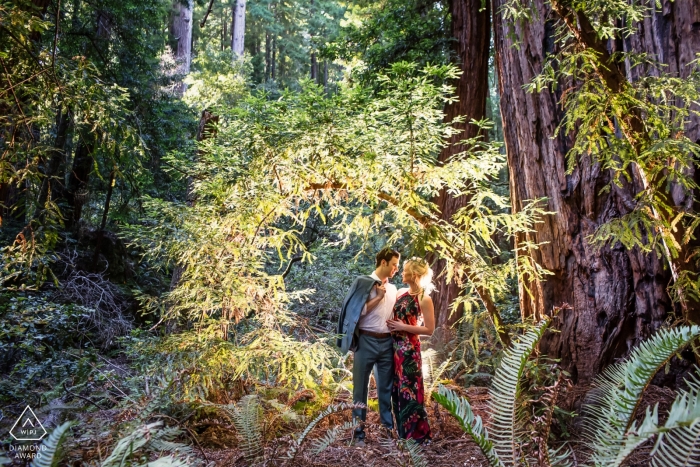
426	305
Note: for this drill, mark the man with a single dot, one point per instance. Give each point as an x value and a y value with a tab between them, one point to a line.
366	308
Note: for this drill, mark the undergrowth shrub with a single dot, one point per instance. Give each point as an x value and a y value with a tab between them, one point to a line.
201	362
39	343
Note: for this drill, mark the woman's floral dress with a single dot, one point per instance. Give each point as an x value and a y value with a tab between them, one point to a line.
408	394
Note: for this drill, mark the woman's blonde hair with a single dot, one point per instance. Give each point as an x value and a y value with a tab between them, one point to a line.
420	268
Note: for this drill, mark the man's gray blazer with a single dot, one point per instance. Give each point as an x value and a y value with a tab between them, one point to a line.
350	312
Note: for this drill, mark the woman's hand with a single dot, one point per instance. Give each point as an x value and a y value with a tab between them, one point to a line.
395	325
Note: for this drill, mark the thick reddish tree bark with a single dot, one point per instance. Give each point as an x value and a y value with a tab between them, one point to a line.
618	297
471	30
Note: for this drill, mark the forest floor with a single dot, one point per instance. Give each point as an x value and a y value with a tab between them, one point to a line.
450	446
216	444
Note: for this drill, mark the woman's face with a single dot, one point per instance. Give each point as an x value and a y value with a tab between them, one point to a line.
406	275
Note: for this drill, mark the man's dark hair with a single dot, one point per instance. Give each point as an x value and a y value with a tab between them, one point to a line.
386	254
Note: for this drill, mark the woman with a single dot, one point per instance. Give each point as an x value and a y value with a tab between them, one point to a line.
408	393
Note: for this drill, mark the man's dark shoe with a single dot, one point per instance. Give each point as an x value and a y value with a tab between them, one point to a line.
359	443
358	437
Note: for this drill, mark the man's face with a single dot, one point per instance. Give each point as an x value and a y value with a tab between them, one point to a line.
391	267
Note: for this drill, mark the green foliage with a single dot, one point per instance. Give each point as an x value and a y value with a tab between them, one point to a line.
378	34
153	438
50	454
505	406
148	438
331	436
37	344
299	439
284	33
508	417
676	443
361	165
610	409
246	416
613	404
201	362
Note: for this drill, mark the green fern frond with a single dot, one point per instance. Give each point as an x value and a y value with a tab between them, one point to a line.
678	443
164	441
296	444
611	407
460	409
168	461
50	454
506	426
415	453
431	378
330	437
127	445
246	417
560	457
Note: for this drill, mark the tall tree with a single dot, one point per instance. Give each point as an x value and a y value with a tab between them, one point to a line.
471	35
238	43
181	31
617	296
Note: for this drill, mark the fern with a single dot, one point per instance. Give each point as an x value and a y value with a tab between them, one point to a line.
611	407
678	443
507	424
330	437
247	419
415	453
167	461
164	441
460	409
126	446
50	454
296	444
431	378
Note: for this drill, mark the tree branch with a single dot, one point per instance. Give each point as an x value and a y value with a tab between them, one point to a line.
427	222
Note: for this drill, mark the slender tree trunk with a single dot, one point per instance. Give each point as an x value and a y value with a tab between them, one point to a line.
471	31
224	33
618	297
239	30
325	76
181	31
273	73
58	155
77	191
105	213
268	57
233	24
314	67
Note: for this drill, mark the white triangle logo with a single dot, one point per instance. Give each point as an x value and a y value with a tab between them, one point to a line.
28	427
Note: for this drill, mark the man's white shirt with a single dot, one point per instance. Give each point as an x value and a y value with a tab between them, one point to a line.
375	320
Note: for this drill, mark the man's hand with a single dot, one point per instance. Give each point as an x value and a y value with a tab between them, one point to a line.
373	302
381	290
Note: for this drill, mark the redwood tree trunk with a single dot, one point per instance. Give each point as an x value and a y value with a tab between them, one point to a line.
471	30
239	29
618	297
181	30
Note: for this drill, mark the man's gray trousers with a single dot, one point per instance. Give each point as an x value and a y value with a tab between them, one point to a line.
373	351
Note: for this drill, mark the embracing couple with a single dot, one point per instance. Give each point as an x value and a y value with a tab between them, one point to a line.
382	325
